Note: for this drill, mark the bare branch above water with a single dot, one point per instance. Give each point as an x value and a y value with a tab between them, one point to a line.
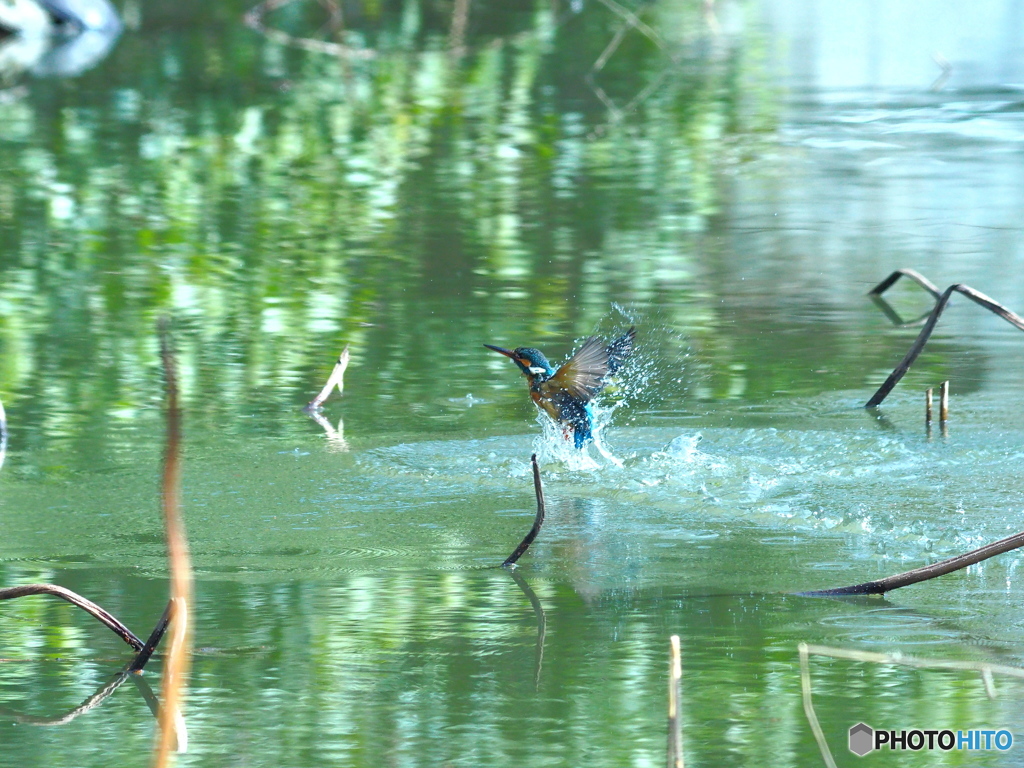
917	575
94	610
943	299
538	521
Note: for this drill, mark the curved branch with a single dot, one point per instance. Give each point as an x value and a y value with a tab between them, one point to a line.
101	615
926	572
922	338
917	277
538	521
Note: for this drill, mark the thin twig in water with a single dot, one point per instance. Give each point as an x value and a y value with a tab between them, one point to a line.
979	298
944	402
913	661
941	568
812	717
675	726
538	521
336	379
100	614
176	666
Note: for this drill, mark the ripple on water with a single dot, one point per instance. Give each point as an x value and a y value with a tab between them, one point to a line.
899	493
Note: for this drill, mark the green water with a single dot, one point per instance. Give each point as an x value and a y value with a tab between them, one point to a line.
280	204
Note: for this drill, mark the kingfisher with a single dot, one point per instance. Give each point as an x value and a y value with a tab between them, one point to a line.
565	394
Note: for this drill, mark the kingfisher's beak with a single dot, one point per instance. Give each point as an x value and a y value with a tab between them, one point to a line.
505	352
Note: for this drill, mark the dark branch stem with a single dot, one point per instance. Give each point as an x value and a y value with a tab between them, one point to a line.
142	657
926	572
917	277
926	331
101	615
538	521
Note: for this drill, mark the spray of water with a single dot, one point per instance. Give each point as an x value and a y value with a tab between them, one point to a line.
638	381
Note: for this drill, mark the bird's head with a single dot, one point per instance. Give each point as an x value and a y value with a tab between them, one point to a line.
530	361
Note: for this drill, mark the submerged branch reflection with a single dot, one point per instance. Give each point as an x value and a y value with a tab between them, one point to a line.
542	622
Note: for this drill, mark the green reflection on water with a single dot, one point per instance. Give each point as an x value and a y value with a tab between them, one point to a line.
281	205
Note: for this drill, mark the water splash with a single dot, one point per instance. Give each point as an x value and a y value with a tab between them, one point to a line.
639	381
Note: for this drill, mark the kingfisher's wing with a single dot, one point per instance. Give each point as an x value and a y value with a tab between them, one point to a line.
582	375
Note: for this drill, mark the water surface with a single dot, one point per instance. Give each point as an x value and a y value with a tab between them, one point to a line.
282	203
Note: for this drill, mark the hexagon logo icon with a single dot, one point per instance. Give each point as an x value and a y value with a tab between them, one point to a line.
862	739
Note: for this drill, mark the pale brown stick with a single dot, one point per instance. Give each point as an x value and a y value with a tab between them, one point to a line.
901	659
812	717
176	666
538	521
100	614
928	406
675	728
944	402
976	296
926	572
336	379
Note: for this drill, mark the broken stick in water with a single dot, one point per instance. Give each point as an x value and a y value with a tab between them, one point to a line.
928	406
538	521
675	726
177	662
812	717
917	575
336	379
904	365
944	402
